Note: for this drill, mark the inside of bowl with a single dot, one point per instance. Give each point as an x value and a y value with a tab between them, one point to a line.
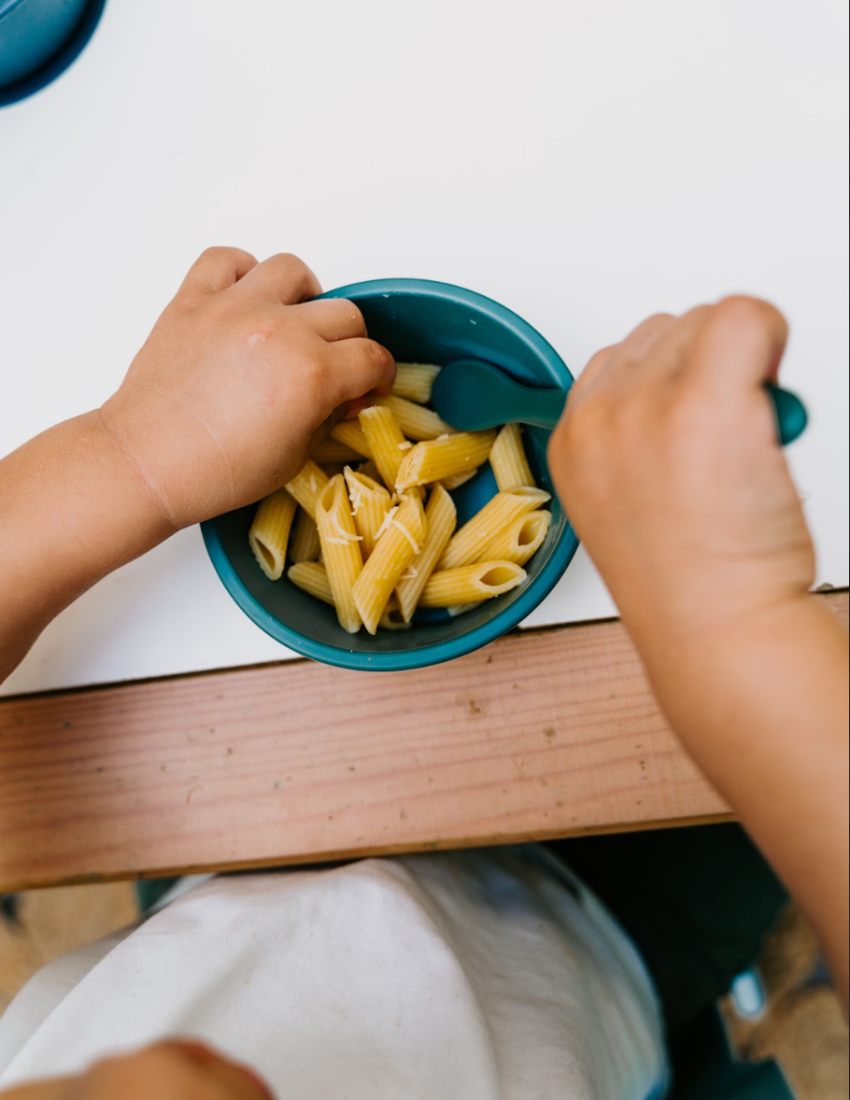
417	329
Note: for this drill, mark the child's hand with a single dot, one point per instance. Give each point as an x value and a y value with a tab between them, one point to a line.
668	465
240	377
177	1069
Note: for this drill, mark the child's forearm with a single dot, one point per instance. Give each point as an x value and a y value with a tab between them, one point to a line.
757	707
72	508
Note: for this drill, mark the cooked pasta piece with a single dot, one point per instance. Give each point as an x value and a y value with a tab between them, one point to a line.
340	550
471	583
304	543
457	480
392	618
386	440
462	608
497	514
520	540
437	459
397	545
306	486
369	469
414	420
313	579
269	533
370	503
508	459
415	381
417	497
331	450
442	517
351	434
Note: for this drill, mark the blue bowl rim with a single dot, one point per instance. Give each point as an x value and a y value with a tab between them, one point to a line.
53	68
427	655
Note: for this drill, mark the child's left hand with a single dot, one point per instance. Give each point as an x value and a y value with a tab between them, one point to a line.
240	377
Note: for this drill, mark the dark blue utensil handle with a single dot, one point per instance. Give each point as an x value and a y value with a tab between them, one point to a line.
544	409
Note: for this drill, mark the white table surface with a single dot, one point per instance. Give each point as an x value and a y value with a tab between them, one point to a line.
584	162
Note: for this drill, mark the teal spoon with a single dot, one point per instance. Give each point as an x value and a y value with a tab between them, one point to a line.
473	395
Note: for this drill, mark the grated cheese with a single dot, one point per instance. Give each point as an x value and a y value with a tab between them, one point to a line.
407	534
344	536
355	490
388	519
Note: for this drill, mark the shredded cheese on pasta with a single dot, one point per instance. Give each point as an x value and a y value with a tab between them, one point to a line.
410	575
355	490
344	536
388	519
407	534
405	446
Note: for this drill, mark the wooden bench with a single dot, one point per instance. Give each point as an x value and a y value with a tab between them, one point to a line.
543	734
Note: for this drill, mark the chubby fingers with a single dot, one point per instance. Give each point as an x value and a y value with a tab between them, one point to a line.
333	318
742	341
217	269
283	278
359	366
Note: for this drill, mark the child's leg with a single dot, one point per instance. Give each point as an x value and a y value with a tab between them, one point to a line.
696	901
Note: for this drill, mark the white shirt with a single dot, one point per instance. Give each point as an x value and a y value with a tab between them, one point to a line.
467	976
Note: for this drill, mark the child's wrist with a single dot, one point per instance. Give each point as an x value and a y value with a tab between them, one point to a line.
120	500
714	654
121	439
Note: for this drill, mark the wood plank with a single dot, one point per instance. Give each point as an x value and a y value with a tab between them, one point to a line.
542	734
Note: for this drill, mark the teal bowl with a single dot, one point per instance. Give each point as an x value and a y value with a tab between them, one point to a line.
426	322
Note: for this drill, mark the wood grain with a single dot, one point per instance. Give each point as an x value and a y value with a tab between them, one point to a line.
541	734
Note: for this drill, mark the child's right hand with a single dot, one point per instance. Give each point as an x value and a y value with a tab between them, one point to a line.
240	378
668	465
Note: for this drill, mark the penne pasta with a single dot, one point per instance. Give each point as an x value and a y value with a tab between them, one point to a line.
304	543
415	381
351	435
392	618
520	540
404	532
462	608
441	516
340	550
471	583
370	503
306	486
313	579
386	440
331	450
457	480
497	514
362	539
414	420
269	533
369	469
508	459
437	459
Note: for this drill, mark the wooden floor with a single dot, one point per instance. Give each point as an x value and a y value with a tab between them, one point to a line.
543	734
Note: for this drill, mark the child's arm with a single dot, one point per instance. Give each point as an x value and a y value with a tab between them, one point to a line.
668	465
220	407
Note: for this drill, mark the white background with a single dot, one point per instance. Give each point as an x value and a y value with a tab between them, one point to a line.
583	162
